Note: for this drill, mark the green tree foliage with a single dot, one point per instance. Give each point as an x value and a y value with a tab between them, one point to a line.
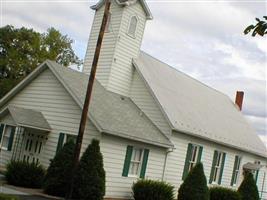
58	175
248	188
22	50
152	190
260	28
90	178
194	186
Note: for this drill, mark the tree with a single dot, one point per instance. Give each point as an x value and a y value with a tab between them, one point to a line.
58	174
90	178
194	186
248	188
22	50
258	29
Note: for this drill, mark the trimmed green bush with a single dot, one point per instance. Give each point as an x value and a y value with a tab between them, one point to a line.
7	197
194	186
152	190
58	174
90	178
248	188
25	174
220	193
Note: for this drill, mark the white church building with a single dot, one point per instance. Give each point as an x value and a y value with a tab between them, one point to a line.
152	120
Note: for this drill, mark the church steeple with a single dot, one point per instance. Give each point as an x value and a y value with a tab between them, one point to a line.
122	41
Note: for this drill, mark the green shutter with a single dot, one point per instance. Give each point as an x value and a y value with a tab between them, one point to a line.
222	167
11	138
188	156
256	178
144	163
234	169
215	156
60	141
127	161
1	131
199	154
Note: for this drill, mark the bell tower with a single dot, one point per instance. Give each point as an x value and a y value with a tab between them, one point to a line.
121	43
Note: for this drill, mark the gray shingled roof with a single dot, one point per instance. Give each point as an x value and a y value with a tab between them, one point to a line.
113	113
197	109
27	117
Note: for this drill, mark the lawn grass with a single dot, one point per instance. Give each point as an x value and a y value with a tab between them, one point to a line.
7	197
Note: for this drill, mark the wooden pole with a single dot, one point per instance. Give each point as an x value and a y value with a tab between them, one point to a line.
87	99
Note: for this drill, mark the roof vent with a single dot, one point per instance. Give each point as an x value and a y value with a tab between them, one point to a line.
239	99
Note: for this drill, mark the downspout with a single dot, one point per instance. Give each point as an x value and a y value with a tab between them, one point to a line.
165	162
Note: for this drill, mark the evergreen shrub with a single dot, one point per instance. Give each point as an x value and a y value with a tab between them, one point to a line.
25	174
152	190
90	178
220	193
248	188
59	172
194	186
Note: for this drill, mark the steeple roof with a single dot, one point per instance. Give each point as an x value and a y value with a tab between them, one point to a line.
127	3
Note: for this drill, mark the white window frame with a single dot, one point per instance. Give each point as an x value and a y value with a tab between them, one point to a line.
129	26
237	171
3	136
217	168
139	162
194	156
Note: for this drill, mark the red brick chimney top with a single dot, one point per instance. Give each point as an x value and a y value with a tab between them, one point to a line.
239	99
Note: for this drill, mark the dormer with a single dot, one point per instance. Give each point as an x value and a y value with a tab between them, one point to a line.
121	43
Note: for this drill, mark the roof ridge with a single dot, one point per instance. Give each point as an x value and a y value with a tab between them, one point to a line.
177	70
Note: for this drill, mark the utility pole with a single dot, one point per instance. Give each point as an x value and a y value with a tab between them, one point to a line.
87	99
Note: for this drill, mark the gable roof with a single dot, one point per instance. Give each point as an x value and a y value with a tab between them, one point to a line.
111	113
24	117
196	109
126	3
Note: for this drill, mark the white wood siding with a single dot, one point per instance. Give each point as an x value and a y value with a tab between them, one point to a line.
108	45
118	49
176	160
114	151
46	94
144	100
127	48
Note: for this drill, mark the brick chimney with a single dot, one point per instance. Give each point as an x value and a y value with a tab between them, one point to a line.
239	99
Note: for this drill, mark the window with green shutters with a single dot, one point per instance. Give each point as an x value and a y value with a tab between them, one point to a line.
236	170
217	167
135	162
193	156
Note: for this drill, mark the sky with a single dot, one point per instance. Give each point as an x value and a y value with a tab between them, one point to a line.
203	38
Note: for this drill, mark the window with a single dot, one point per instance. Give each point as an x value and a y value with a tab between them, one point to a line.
108	26
194	153
132	26
217	167
63	138
236	171
135	162
7	137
